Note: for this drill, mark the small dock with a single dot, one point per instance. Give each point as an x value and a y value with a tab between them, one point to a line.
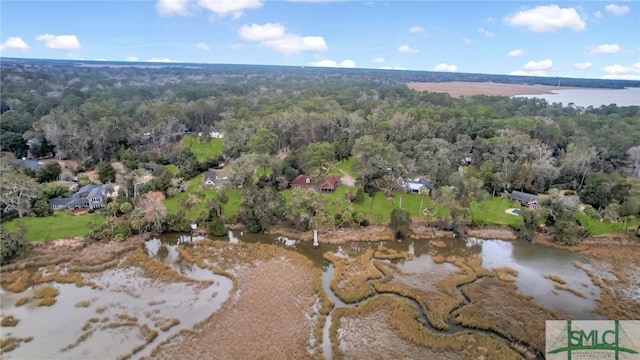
316	244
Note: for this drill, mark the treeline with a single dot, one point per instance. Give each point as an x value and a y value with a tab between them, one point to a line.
95	114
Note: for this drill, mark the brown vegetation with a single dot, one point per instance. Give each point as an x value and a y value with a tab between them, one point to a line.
461	88
47	295
83	303
278	308
575	292
10	343
389	325
495	305
155	269
391	254
21	301
555	278
9	321
349	281
169	324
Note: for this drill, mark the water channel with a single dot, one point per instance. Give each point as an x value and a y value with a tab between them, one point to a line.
128	291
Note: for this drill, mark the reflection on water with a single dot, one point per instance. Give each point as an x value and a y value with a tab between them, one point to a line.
533	262
123	291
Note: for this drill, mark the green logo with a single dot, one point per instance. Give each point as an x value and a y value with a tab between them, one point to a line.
590	339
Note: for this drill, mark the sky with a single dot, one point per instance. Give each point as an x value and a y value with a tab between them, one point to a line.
586	39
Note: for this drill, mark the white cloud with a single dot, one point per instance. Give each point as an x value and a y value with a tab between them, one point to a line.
378	60
330	63
417	30
171	7
407	49
234	8
60	42
619	72
542	65
445	67
131	58
547	18
467	41
392	68
598	14
516	52
605	49
14	43
528	73
160	60
276	36
583	66
203	46
268	31
486	33
617	9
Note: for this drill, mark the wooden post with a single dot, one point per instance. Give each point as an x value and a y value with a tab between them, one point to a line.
315	239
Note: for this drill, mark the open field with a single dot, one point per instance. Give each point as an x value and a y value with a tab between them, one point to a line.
458	88
492	211
62	224
204	150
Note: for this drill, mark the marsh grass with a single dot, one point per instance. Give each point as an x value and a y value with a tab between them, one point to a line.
555	278
166	325
575	292
8	344
83	303
509	270
404	319
383	252
349	281
46	294
19	281
9	321
495	305
276	309
155	269
21	301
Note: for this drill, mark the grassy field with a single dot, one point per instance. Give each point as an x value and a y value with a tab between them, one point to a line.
204	150
381	208
492	211
597	227
194	186
62	224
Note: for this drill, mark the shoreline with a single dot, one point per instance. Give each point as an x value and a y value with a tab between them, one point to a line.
460	88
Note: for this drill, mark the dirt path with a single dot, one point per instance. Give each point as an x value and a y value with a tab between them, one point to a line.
347	179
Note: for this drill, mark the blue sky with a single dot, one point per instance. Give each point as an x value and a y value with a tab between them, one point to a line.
589	39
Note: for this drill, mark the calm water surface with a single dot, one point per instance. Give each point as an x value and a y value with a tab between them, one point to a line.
592	97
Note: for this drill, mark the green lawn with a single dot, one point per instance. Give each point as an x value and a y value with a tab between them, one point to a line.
492	211
62	224
597	227
204	151
381	208
195	186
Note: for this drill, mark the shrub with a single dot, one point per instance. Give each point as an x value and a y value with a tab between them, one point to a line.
217	227
222	197
358	198
12	245
400	222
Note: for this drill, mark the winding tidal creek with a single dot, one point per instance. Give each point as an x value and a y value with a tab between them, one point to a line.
172	295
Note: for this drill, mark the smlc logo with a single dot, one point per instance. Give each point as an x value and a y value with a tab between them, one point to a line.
593	339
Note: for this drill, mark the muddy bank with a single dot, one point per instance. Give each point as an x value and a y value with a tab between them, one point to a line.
460	88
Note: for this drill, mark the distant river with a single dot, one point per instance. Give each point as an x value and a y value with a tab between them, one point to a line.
592	97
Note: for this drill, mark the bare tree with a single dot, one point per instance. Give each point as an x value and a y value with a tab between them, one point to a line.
18	191
634	160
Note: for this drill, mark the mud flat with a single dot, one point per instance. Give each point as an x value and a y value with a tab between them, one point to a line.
277	310
459	88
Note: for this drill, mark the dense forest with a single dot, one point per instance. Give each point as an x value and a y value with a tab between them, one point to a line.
314	117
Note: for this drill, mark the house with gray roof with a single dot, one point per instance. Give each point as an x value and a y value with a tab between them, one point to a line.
89	196
524	199
414	186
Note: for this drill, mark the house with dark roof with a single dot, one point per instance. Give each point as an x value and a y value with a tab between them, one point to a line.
302	182
33	165
150	167
329	184
524	199
87	197
210	177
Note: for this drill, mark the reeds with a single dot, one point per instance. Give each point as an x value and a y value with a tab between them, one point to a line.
555	278
349	281
383	252
83	303
47	295
21	301
575	292
9	321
